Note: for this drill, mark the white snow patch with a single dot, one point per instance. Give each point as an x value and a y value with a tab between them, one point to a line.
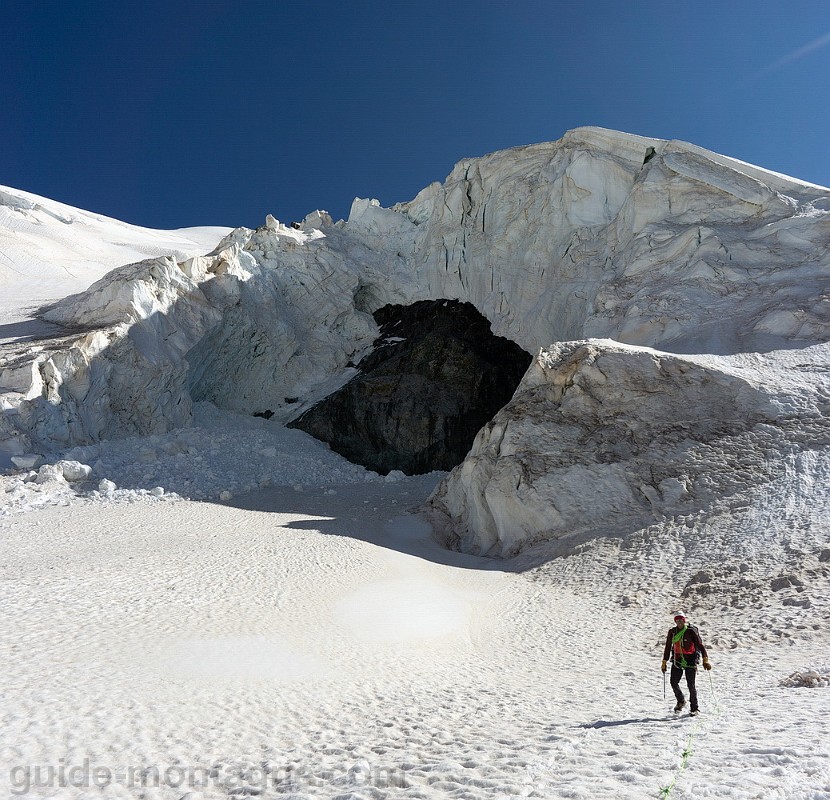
237	657
401	609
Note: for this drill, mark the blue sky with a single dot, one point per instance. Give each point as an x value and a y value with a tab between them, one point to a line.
179	113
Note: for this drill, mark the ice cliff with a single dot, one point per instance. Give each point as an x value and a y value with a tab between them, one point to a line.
606	437
600	235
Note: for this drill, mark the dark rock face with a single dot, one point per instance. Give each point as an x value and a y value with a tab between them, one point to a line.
437	374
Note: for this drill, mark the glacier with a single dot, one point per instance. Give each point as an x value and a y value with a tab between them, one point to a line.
584	251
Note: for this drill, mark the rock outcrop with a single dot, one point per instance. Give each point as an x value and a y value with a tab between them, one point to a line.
436	375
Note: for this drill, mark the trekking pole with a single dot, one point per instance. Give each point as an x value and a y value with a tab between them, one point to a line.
664	685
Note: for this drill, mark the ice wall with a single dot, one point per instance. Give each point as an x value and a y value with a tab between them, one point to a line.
600	234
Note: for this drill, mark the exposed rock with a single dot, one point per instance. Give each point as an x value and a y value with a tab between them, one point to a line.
437	374
784	582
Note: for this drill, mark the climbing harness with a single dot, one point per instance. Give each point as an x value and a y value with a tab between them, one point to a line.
680	652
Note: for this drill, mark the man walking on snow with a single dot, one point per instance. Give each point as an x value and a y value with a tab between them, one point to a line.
685	646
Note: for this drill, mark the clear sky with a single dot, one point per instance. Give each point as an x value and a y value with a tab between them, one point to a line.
173	113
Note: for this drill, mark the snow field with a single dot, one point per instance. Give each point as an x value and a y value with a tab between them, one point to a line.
317	644
49	250
234	610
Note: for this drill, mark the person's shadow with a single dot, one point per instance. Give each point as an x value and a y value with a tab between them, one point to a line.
613	723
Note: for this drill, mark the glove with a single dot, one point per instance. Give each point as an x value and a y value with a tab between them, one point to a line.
706	664
663	666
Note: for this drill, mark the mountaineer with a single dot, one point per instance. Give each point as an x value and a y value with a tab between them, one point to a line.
684	645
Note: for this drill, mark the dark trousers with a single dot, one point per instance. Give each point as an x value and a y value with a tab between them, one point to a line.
676	675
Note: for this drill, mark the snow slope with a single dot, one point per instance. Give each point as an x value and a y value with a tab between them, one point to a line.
49	250
318	644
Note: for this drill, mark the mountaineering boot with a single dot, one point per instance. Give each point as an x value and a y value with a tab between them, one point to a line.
694	712
680	703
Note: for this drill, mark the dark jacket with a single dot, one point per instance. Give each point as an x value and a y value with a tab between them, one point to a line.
691	645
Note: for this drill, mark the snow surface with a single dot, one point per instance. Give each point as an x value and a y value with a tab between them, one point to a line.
230	609
309	639
49	250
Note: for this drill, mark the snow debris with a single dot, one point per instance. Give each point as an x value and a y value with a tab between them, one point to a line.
50	473
224	455
809	679
74	471
28	461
